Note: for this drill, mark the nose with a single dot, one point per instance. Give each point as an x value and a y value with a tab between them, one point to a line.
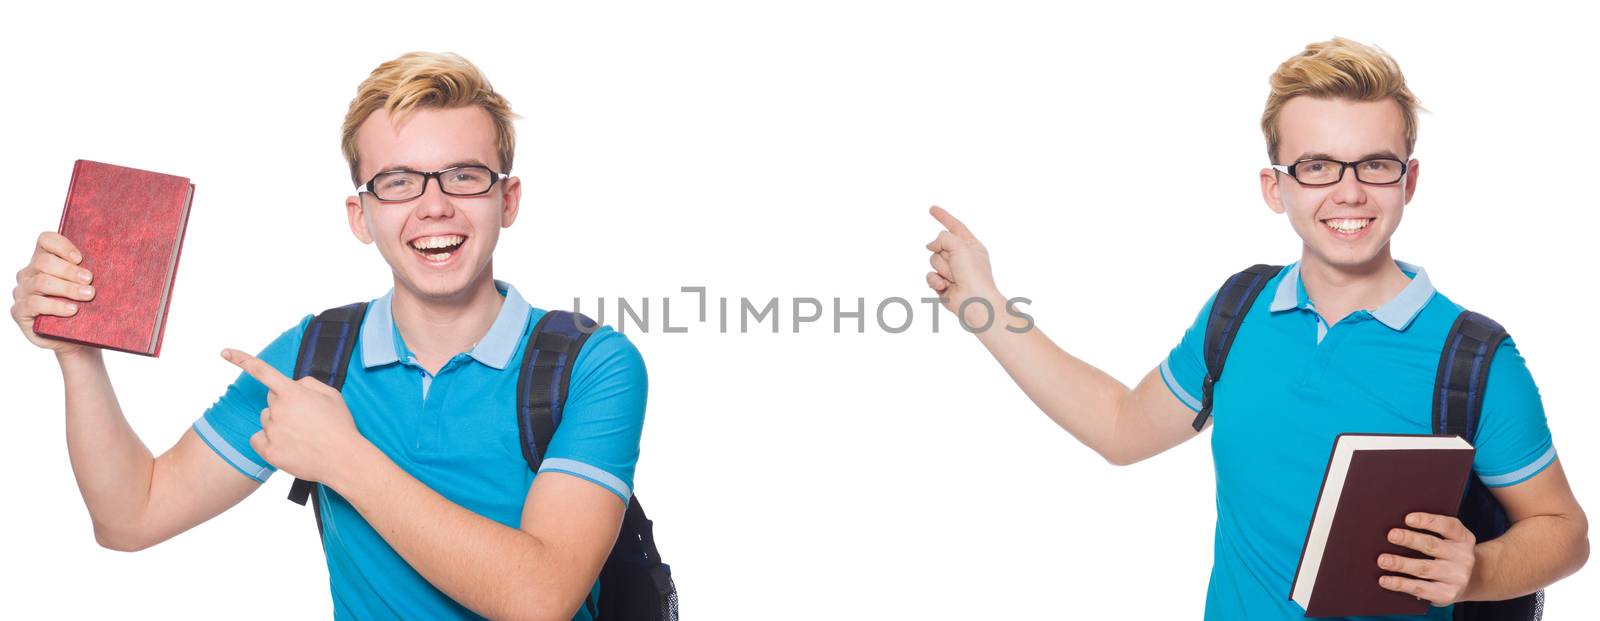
1349	191
433	203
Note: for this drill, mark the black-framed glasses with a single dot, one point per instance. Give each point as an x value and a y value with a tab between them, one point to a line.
403	185
1317	172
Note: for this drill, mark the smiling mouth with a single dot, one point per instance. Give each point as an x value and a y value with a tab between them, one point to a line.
1347	225
438	249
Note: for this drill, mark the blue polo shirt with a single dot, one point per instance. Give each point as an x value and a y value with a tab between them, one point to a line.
1293	384
456	432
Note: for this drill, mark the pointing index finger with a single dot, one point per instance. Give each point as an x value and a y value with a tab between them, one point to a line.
259	369
950	222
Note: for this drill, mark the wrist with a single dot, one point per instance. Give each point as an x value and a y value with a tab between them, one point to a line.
77	356
1481	564
355	467
981	310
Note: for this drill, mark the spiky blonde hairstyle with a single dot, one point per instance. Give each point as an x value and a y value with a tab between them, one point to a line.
1338	69
427	80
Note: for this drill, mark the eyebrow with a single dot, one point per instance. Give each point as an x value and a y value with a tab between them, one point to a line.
1324	156
471	162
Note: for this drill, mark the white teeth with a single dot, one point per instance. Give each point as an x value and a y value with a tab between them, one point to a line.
441	241
1348	225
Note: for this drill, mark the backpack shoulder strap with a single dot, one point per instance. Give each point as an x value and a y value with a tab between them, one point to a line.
635	584
547	363
1232	303
325	352
1464	374
1458	390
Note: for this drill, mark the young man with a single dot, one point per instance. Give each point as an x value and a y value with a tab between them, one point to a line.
1345	340
430	510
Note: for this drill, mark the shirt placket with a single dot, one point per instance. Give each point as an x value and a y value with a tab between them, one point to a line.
1329	338
426	433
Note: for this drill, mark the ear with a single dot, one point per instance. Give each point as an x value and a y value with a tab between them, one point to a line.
512	202
1412	169
358	218
1269	190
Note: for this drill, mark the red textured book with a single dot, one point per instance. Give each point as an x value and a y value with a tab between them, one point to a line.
129	225
1373	482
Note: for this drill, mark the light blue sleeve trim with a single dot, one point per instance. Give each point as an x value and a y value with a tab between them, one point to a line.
1521	474
1177	390
590	473
228	453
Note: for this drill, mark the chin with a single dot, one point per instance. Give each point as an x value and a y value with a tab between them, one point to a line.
1345	252
442	285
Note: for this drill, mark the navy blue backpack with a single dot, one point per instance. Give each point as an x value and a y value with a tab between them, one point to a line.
1458	399
634	584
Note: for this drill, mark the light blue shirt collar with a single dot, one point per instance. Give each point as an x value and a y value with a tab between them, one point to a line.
1397	313
380	338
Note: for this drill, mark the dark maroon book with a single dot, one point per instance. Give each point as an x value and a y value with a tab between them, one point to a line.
1373	481
129	224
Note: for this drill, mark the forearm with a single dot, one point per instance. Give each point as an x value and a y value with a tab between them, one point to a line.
1531	555
497	571
1079	397
112	466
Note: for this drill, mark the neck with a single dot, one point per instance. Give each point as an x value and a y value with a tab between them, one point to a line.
1338	290
441	327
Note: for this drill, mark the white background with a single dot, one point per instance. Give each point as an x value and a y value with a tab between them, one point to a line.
792	152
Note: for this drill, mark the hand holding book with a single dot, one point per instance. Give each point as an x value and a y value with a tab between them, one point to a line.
127	226
1356	562
1442	578
51	284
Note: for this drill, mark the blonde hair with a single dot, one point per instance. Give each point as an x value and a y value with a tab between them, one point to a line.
1338	69
427	80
